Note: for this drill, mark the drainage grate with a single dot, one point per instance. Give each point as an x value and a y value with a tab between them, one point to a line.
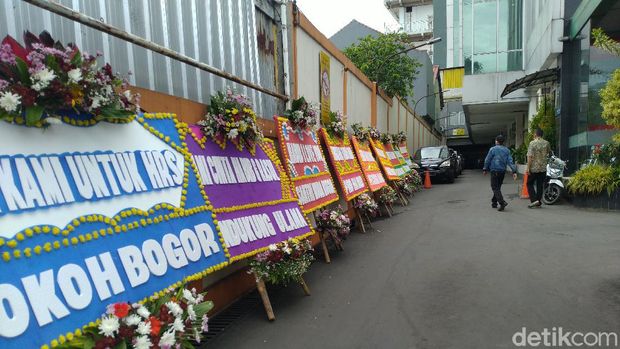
219	323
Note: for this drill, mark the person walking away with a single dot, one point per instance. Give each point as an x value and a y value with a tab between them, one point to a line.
537	157
496	162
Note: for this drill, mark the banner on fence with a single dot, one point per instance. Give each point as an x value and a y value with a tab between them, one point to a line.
250	194
384	160
303	158
92	216
345	164
370	168
325	87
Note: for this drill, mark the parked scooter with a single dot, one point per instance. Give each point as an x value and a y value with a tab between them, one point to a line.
554	182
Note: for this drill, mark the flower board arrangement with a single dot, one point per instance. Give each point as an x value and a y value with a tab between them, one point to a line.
386	138
360	132
174	319
414	179
387	195
336	125
366	204
230	116
404	187
374	133
302	114
284	262
334	223
400	137
45	80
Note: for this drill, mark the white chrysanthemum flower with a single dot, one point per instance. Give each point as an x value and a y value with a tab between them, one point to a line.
232	134
132	320
189	297
109	326
9	101
191	312
167	339
42	78
75	75
273	247
144	328
177	325
97	102
287	250
142	342
142	311
174	309
197	336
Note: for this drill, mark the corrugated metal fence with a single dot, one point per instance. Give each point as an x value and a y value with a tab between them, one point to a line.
239	36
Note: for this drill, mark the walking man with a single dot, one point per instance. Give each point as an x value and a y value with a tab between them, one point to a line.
496	162
537	156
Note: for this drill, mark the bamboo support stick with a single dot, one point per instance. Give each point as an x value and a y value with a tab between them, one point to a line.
303	284
262	290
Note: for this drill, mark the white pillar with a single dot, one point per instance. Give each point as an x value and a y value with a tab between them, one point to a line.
401	18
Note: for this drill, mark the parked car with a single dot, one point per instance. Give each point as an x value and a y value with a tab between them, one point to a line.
459	161
438	161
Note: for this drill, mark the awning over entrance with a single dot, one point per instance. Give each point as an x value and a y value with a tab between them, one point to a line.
537	78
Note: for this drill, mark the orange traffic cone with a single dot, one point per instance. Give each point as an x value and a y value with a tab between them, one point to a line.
524	193
427	180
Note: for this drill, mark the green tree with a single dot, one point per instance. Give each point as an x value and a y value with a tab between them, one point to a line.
378	58
610	94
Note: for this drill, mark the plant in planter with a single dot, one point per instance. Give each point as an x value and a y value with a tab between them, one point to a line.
302	114
334	223
387	195
231	117
176	319
414	180
366	205
45	80
520	154
284	262
400	137
594	179
336	125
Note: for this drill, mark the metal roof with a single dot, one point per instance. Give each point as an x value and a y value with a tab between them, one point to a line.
537	78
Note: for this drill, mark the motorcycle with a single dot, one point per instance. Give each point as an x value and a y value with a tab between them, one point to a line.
554	182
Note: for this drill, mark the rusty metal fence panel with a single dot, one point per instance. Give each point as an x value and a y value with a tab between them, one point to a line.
239	36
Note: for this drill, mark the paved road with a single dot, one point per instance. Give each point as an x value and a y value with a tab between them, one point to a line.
450	272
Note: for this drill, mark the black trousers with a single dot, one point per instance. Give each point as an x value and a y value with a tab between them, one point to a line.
497	179
538	179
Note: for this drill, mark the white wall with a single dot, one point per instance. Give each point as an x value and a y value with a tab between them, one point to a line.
543	26
487	88
358	101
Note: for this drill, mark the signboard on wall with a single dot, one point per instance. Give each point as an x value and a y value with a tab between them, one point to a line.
92	216
325	87
370	168
345	165
384	161
250	194
303	158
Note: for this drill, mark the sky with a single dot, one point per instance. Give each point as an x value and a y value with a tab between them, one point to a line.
329	16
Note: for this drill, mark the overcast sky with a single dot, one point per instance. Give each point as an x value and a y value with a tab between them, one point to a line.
329	16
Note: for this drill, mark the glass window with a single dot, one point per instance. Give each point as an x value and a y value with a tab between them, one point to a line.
485	26
485	63
456	34
510	61
509	28
467	23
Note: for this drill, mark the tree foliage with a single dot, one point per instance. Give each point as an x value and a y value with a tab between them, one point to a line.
378	58
610	94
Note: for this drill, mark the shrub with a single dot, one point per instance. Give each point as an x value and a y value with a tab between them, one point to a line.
593	179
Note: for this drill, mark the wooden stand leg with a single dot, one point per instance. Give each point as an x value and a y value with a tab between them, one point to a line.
325	250
303	284
361	220
369	221
388	210
262	290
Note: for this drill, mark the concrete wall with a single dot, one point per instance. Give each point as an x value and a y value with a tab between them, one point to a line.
543	26
358	97
487	88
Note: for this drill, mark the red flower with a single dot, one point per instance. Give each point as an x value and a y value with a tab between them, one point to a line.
121	310
155	326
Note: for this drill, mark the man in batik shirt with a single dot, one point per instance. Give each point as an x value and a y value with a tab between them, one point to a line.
537	156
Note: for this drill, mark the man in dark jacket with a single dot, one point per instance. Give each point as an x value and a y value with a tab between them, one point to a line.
496	162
